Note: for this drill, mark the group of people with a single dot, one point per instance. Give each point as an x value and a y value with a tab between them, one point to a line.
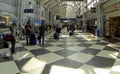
41	33
28	32
31	35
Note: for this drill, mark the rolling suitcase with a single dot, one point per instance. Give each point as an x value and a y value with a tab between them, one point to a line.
55	36
70	33
33	42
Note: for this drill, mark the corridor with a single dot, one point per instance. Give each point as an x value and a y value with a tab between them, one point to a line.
78	54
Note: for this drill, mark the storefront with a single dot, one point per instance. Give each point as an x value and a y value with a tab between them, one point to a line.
4	20
115	26
91	20
112	26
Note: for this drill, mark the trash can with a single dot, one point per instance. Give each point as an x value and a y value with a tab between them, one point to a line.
96	32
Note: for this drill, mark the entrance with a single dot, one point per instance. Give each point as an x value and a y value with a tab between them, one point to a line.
115	26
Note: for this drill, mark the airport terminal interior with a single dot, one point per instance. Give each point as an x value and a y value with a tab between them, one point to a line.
78	36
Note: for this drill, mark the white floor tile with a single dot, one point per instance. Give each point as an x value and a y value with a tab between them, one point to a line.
76	48
51	57
34	66
56	69
104	41
56	43
54	48
8	68
93	70
22	55
108	54
90	42
68	40
73	43
22	41
100	47
112	72
18	45
34	47
116	66
81	57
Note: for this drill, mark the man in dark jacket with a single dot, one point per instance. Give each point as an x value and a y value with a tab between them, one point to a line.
57	32
28	32
42	33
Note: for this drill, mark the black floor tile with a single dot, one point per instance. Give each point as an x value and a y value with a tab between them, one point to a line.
84	45
65	52
110	49
18	49
47	45
39	52
112	40
6	59
21	63
91	51
65	45
47	69
101	62
102	43
67	63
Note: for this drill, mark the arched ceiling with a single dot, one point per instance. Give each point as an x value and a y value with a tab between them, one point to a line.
60	6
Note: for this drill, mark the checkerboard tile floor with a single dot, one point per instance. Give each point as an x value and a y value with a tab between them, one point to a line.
78	54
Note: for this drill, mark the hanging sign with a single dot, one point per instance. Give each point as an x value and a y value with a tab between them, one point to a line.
93	9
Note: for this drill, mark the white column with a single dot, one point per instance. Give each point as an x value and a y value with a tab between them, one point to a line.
20	12
38	9
85	18
84	22
100	22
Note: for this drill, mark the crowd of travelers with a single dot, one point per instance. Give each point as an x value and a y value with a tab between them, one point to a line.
32	36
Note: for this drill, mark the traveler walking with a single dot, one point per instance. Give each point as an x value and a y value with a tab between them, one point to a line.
41	33
28	32
57	32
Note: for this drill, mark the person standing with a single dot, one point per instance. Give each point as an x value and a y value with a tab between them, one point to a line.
41	34
13	29
57	32
12	36
28	32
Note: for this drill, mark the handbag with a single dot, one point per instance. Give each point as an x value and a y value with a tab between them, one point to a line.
8	38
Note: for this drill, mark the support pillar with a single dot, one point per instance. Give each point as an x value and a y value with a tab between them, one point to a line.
100	21
85	18
84	23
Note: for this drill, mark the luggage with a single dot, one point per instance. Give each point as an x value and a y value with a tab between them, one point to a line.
70	33
3	44
33	42
32	36
9	38
4	50
55	35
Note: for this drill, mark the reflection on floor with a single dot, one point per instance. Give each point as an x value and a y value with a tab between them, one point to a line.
78	54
